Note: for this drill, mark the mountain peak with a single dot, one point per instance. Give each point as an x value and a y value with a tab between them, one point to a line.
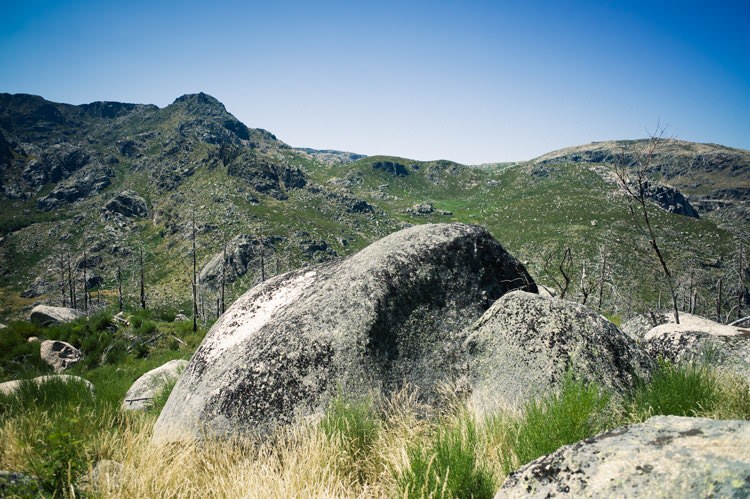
200	102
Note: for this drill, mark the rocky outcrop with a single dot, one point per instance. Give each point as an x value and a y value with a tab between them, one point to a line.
243	254
703	340
391	167
45	315
671	199
79	186
59	354
387	316
128	204
667	456
142	393
264	176
523	345
10	387
56	162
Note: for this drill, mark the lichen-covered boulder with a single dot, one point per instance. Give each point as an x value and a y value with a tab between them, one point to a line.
9	387
523	345
59	354
698	339
390	315
667	456
142	393
46	315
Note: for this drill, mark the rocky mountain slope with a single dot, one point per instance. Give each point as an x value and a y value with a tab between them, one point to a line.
83	189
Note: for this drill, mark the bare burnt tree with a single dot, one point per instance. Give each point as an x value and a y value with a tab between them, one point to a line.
634	182
119	288
223	275
562	283
142	280
602	275
194	280
85	264
61	262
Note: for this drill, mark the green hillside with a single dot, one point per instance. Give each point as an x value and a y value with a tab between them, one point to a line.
61	165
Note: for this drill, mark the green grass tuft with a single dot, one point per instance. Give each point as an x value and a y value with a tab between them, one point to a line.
576	412
448	465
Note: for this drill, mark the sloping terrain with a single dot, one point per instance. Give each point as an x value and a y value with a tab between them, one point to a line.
276	208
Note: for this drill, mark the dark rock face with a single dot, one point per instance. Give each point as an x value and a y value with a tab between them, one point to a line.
6	155
391	314
522	346
77	187
56	163
127	204
264	176
667	456
671	200
391	167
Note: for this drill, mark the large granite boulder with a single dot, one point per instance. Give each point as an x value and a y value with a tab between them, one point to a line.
702	340
667	456
142	393
59	354
45	315
9	387
523	345
390	315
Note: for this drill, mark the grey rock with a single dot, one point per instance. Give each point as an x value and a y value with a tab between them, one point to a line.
421	209
181	317
128	204
242	255
9	387
59	354
2	326
46	315
637	326
389	315
667	456
697	339
104	478
142	393
523	345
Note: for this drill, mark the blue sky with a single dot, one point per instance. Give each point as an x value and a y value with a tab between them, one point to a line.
469	81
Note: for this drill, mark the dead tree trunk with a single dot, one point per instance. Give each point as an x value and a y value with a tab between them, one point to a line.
63	294
638	194
602	272
85	278
119	288
142	283
194	281
223	273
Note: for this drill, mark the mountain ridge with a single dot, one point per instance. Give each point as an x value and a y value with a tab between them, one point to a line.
61	165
